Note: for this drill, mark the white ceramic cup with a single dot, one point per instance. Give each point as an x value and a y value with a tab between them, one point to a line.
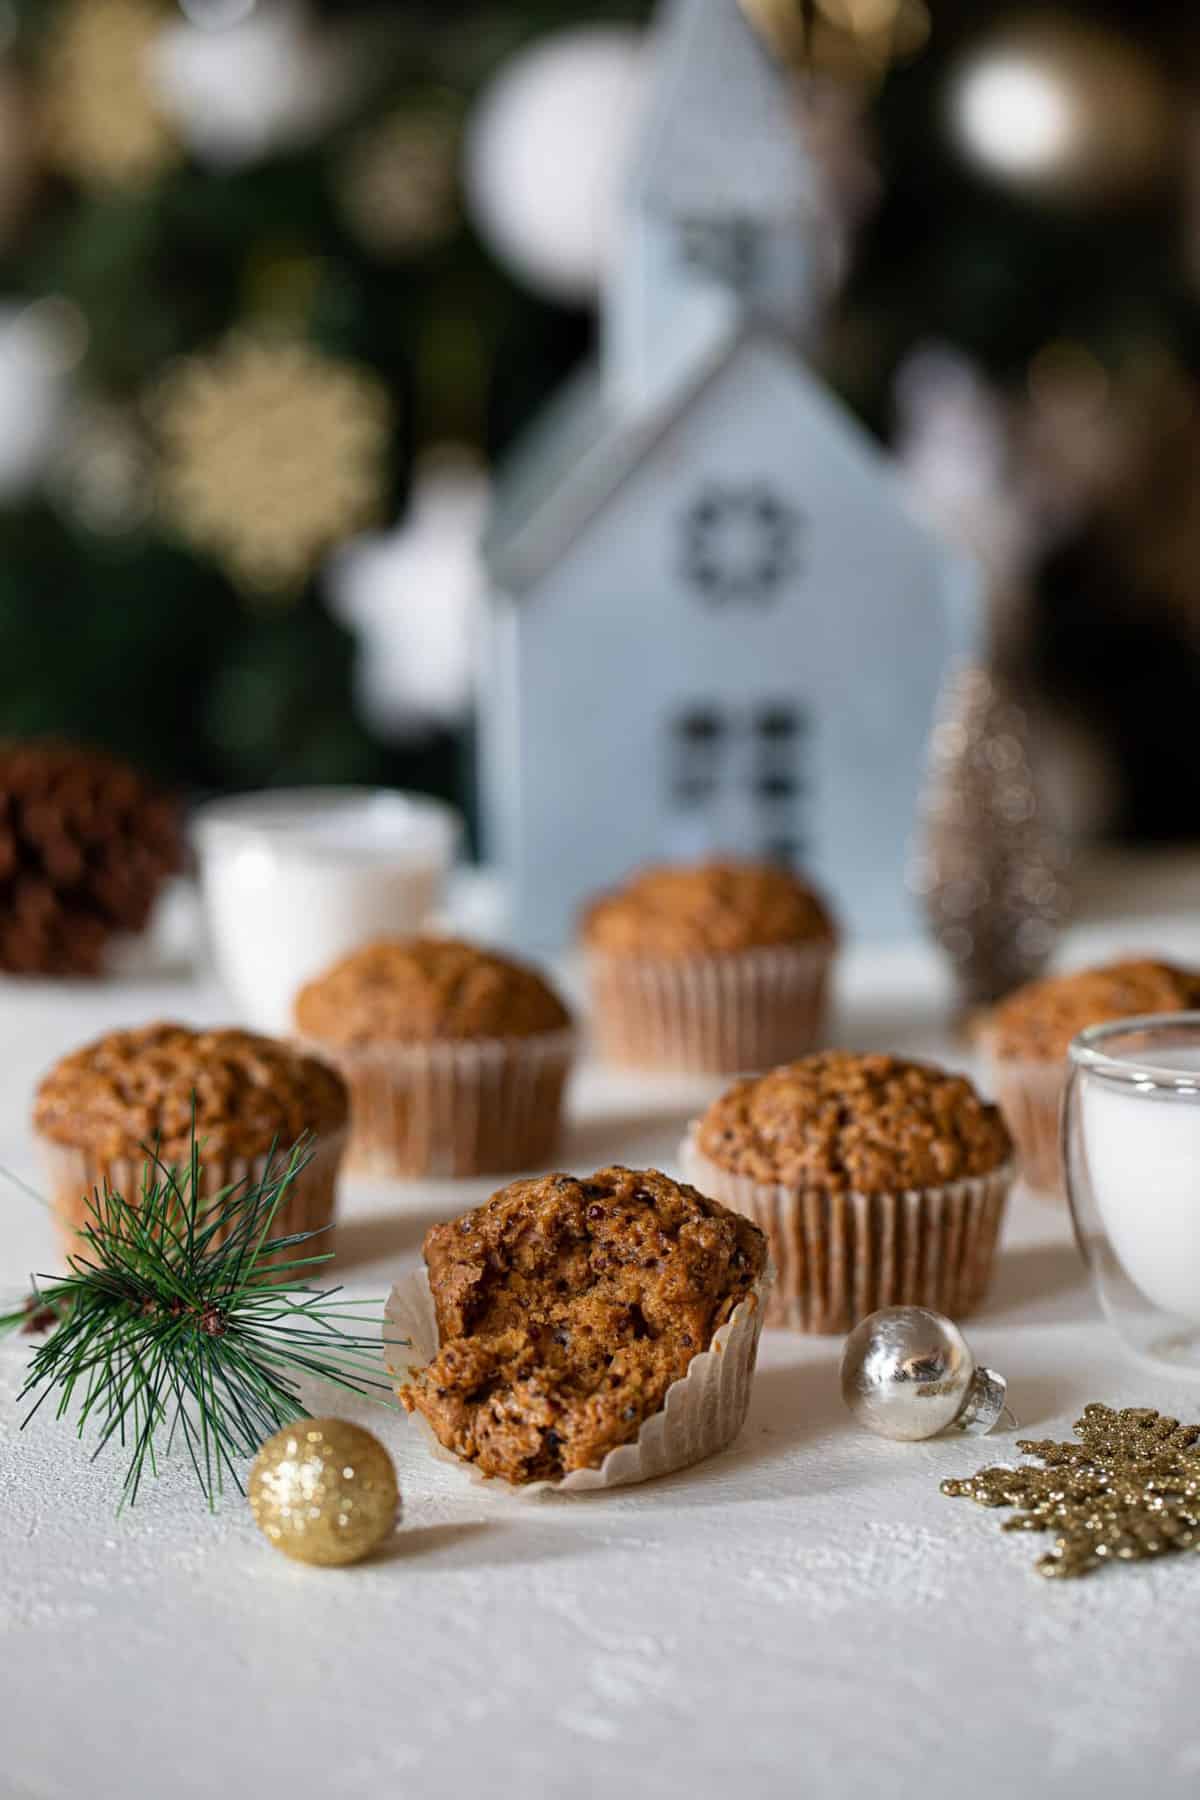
292	879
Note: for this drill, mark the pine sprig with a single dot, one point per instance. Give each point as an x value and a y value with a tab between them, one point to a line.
183	1319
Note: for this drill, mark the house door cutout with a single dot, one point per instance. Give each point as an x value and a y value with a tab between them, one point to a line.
738	780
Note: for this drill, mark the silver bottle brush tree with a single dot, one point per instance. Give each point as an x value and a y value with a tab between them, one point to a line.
990	867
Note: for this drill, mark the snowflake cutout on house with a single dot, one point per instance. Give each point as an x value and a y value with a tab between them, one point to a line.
740	543
1129	1490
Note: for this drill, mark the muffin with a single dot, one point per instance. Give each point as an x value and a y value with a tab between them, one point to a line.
98	1111
715	968
1026	1037
456	1059
567	1309
878	1182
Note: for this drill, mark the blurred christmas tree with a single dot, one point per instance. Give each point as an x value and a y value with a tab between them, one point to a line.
238	297
1023	313
242	293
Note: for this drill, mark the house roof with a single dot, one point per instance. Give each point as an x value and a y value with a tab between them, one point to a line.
571	463
582	451
718	137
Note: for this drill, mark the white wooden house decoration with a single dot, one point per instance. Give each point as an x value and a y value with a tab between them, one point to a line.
713	622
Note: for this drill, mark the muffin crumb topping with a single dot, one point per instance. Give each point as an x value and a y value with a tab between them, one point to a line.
713	907
133	1089
838	1121
1038	1021
417	990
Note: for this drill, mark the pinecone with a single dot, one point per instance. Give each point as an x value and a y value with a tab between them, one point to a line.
85	845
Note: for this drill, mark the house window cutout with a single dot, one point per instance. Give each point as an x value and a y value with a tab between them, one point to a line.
696	743
738	779
781	732
740	544
727	250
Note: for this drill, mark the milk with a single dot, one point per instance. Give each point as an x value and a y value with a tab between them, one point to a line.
294	880
1142	1148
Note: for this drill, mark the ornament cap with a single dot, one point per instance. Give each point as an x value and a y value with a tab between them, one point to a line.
985	1405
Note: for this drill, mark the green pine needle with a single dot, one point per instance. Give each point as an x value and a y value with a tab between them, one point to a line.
183	1320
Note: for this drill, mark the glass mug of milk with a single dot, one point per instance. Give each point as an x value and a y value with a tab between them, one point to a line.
1131	1148
295	878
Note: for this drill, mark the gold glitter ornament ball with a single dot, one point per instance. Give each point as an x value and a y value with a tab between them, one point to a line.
324	1491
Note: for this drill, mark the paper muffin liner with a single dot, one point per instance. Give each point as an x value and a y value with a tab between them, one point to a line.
477	1107
841	1256
1029	1094
73	1175
734	1013
702	1413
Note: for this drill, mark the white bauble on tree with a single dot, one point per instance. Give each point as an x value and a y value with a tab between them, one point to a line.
955	451
1063	106
239	83
40	347
412	597
546	153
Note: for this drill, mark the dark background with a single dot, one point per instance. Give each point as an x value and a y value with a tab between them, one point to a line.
1067	305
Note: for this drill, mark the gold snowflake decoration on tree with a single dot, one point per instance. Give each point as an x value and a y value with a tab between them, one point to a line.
101	123
397	183
1127	1491
271	452
851	39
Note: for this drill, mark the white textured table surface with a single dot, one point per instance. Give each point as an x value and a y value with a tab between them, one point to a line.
803	1615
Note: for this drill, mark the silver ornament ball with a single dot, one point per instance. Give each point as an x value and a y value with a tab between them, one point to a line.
908	1373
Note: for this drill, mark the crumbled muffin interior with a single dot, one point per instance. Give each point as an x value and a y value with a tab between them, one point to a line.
837	1121
132	1089
709	908
566	1308
417	990
1038	1021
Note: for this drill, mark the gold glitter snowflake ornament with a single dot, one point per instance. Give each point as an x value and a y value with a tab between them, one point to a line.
271	453
1127	1491
101	121
397	183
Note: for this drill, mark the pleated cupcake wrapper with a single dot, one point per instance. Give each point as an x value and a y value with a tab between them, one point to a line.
841	1256
488	1106
702	1413
736	1013
1029	1094
73	1176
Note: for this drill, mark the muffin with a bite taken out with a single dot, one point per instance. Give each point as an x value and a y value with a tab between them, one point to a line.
586	1325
